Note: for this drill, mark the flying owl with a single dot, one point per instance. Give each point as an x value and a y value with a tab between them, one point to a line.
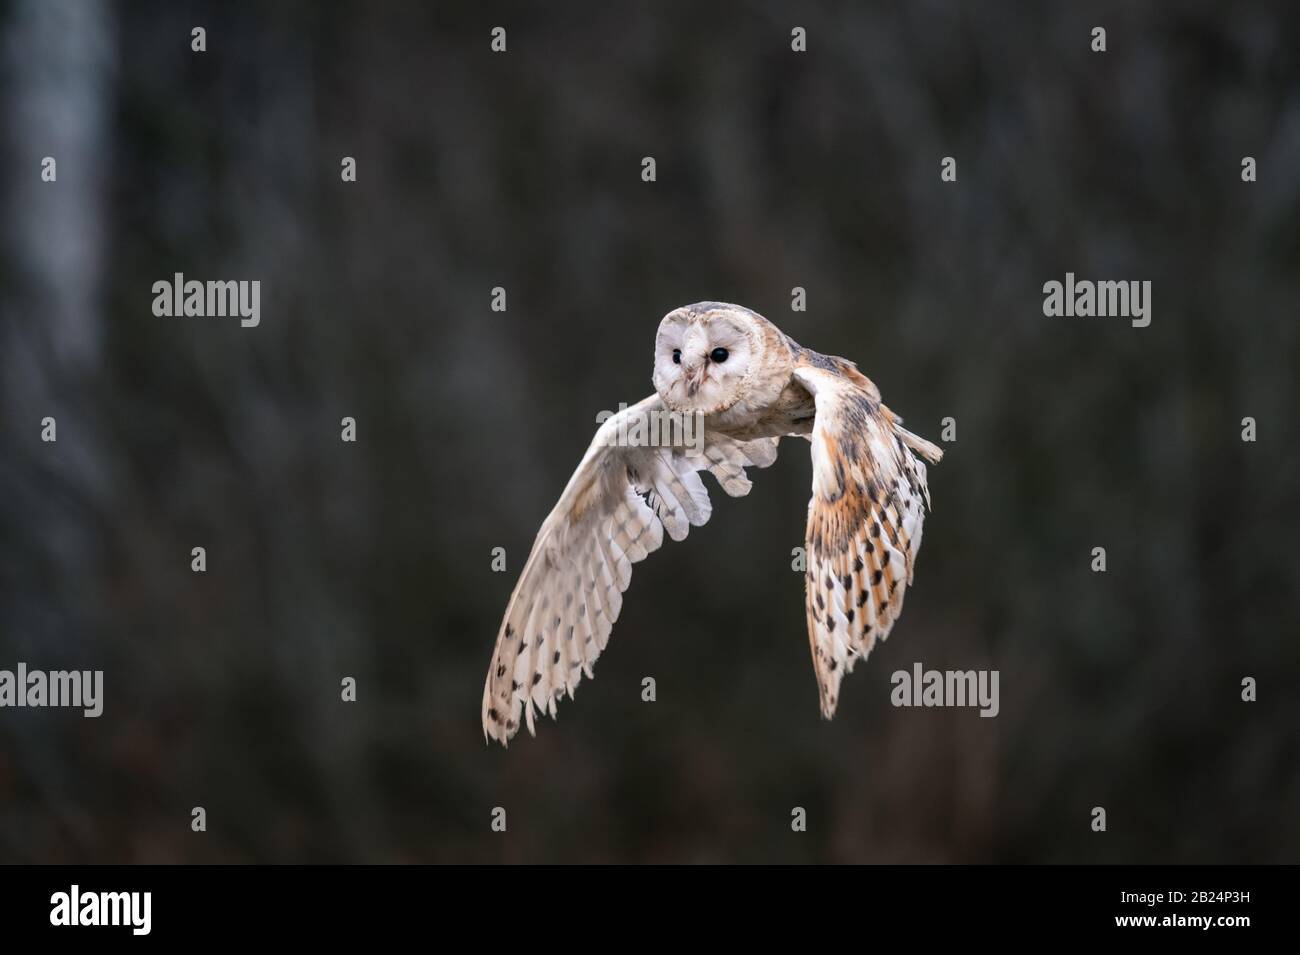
745	385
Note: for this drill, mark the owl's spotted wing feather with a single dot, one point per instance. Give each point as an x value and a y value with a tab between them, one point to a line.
612	514
864	519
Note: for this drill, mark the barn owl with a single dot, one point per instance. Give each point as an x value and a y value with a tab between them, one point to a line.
749	385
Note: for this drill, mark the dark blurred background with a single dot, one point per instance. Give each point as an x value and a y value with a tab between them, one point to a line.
775	169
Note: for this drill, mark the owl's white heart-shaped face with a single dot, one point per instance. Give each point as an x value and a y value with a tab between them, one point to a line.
705	357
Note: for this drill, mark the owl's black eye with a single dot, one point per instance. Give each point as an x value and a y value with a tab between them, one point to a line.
718	356
677	356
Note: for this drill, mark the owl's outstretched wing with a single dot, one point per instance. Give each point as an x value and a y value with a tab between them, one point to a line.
869	498
611	515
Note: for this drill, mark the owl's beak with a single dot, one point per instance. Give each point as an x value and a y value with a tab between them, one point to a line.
694	378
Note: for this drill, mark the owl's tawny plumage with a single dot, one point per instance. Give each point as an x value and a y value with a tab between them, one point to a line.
748	385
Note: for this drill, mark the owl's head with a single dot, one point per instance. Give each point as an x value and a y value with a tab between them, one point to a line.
710	355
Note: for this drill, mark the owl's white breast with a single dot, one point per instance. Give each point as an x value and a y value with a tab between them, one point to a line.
791	413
